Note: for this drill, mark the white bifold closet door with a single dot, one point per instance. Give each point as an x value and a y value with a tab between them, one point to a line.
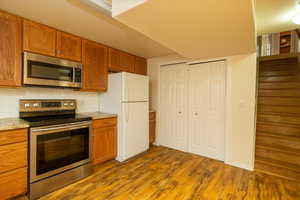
207	109
174	108
192	103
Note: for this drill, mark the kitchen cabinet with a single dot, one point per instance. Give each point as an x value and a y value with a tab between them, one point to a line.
68	46
10	45
95	72
38	38
152	126
13	163
104	140
119	61
140	66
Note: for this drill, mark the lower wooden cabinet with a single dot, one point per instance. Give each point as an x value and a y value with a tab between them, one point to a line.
104	140
152	125
13	163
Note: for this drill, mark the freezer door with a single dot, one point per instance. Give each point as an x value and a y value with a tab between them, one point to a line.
135	87
136	129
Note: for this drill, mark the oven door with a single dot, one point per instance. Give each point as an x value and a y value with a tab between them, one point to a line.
54	149
49	71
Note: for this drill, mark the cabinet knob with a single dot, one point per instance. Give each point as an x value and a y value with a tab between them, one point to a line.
196	113
179	112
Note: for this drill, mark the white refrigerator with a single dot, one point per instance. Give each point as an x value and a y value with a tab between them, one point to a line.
128	96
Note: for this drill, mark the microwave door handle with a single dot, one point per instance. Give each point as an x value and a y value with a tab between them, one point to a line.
73	75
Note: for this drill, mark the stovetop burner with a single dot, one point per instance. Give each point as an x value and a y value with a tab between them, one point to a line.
50	112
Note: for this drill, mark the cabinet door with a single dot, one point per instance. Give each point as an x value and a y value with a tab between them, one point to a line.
140	66
13	183
39	38
68	46
114	60
120	61
104	144
10	53
152	125
95	73
126	62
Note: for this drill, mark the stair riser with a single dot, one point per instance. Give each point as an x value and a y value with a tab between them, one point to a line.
279	79
277	142
287	85
278	109
276	73
278	119
284	101
281	172
276	155
280	130
279	93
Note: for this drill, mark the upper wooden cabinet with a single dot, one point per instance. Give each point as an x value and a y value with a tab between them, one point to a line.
120	61
95	72
39	38
10	50
68	46
140	66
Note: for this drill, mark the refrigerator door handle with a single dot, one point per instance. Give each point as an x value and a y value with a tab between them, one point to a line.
127	112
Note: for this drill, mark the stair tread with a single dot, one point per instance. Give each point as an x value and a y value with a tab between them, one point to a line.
280	149
278	163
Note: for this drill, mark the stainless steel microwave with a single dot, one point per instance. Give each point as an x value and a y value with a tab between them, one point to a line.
40	70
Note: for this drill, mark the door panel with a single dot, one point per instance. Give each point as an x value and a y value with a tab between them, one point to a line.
136	129
174	107
207	109
39	38
10	53
94	58
68	46
135	87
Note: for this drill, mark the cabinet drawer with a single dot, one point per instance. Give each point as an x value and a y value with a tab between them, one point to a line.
13	136
13	183
152	116
104	122
13	156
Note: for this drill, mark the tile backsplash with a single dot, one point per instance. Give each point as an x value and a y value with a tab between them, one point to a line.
9	99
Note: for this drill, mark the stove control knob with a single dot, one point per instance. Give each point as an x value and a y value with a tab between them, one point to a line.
72	104
35	105
26	105
66	104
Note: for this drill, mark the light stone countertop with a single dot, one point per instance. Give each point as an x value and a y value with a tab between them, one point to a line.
98	115
12	123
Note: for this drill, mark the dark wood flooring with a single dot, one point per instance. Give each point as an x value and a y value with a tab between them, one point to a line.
165	174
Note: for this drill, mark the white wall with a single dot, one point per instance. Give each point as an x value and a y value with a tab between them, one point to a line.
240	106
120	6
9	99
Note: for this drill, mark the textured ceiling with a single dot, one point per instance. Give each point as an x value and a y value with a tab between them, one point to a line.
77	18
275	15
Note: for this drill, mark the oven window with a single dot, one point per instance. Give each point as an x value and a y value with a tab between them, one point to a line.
48	71
56	150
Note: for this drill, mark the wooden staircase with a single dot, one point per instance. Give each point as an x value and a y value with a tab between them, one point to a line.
278	118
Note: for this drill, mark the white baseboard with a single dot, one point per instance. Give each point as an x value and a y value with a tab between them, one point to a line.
240	165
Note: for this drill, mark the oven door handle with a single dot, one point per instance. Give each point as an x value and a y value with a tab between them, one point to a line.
57	129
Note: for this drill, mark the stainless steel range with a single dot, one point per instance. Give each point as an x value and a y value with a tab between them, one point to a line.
59	144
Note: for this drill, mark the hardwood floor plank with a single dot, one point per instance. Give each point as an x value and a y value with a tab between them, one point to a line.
163	174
